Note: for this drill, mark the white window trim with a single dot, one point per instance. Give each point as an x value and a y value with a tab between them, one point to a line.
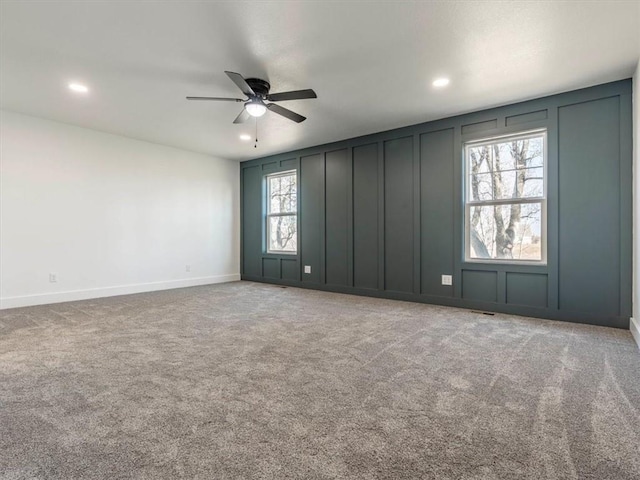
507	201
269	215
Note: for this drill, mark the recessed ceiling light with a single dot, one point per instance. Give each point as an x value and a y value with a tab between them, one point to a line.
245	137
76	87
441	82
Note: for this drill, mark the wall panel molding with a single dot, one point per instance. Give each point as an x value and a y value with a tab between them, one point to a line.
382	215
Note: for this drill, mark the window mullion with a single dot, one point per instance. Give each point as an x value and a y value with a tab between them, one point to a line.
283	214
506	201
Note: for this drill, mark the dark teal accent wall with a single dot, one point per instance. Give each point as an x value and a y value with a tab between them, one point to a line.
382	215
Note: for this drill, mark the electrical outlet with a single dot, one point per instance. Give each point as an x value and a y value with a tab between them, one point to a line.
447	279
53	278
307	269
187	268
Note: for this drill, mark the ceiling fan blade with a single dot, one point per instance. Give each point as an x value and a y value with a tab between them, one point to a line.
285	112
243	117
295	95
217	99
241	83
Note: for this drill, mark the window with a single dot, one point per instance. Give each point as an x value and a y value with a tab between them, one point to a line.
505	199
282	213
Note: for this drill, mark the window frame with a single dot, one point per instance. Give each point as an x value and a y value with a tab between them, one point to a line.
269	215
542	200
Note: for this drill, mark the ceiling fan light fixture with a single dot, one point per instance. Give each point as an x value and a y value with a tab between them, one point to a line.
255	108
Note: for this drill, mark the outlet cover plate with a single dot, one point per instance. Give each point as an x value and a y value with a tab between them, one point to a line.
307	269
447	279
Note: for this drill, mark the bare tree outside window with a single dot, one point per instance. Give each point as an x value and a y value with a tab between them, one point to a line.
505	198
282	207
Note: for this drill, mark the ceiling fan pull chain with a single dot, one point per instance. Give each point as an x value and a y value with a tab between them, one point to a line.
256	144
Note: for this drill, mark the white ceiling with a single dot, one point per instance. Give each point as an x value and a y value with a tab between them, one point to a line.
371	63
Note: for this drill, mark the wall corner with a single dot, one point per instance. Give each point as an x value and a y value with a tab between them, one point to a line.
634	326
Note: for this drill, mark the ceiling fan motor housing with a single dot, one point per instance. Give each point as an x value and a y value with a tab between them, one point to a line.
261	87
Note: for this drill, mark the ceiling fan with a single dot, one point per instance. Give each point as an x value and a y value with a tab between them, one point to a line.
257	91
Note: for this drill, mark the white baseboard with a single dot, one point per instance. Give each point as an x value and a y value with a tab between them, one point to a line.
635	330
70	296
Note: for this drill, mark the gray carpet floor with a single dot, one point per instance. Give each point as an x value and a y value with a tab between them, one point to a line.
247	381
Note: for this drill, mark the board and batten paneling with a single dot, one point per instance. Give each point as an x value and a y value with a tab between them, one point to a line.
398	214
338	168
252	221
528	289
437	212
271	268
311	198
480	285
365	216
383	215
589	193
289	269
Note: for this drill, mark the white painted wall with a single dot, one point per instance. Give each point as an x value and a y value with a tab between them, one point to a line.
635	320
109	215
